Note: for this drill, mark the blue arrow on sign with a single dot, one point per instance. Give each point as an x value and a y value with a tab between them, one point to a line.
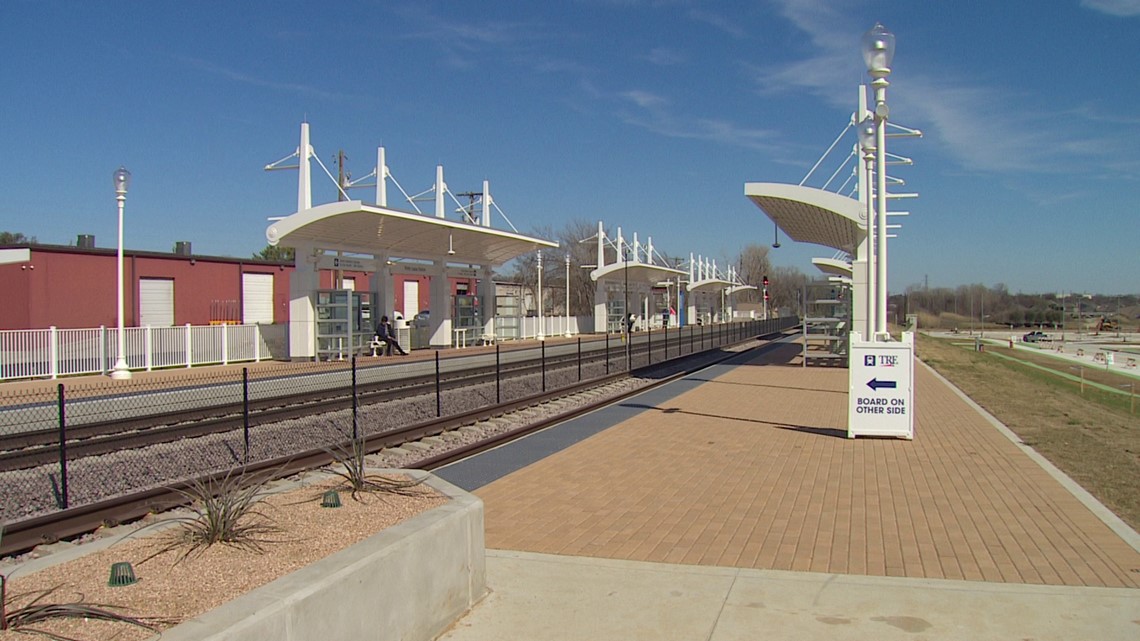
876	384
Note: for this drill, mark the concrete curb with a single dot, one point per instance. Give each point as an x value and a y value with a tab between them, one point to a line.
410	581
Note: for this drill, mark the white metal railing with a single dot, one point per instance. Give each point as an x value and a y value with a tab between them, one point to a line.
553	326
54	352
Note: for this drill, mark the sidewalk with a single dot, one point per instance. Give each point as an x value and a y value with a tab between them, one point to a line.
566	598
737	510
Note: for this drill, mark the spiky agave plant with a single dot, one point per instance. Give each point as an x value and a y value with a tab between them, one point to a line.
353	469
38	610
225	511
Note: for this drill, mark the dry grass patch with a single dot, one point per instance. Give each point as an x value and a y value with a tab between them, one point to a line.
1095	443
175	587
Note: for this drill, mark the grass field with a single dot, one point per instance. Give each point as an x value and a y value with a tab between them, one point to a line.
1092	437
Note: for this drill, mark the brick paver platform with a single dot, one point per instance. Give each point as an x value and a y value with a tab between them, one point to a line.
753	470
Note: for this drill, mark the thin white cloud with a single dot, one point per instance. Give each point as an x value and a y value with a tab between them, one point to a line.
664	57
718	21
983	127
238	76
644	99
461	42
1120	8
655	116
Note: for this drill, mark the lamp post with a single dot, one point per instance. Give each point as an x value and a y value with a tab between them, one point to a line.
122	179
540	335
867	146
878	51
567	334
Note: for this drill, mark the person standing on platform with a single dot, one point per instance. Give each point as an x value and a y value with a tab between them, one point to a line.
385	333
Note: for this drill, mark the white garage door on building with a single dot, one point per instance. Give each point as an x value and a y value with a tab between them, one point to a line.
411	299
156	302
257	298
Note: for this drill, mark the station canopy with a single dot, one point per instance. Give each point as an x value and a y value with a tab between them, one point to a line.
638	272
809	215
355	227
833	266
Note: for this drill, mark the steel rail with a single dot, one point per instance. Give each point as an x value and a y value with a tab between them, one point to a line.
20	536
30	449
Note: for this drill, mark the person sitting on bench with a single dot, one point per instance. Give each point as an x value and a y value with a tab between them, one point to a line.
386	335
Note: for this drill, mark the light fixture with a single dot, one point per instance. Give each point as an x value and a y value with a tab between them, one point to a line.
878	53
450	246
867	135
330	498
122	180
121	574
776	231
878	50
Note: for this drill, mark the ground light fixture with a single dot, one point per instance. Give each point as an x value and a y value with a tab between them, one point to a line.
121	574
122	180
330	498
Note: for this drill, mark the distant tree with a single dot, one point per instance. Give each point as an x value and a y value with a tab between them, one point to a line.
753	265
275	252
524	269
16	238
785	285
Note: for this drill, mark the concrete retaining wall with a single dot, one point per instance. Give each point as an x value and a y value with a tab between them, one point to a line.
409	582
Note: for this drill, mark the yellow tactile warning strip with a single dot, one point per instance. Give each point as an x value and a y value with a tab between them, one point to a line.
753	470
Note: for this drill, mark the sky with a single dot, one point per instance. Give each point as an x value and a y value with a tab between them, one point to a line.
649	115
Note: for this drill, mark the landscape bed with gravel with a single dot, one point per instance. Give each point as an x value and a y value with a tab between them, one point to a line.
170	590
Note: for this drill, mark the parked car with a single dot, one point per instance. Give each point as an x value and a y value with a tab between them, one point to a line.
1035	337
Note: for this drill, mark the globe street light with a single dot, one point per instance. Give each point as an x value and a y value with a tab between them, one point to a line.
567	333
878	51
867	146
122	179
540	335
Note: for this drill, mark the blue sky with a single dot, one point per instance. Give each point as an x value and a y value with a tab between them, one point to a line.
648	115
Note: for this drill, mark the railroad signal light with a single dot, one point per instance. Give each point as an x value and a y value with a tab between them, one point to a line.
765	280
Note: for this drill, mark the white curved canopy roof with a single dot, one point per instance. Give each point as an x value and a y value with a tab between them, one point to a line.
809	215
355	227
638	272
833	266
709	284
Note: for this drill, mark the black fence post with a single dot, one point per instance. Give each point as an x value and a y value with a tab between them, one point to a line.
355	430
649	346
666	339
542	345
438	393
63	492
629	351
498	391
607	352
579	359
245	411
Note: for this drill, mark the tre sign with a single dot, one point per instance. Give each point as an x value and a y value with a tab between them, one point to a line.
880	388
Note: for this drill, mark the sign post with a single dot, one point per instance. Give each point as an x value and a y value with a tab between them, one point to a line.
881	388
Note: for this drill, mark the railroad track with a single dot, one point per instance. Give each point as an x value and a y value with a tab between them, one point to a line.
40	447
23	535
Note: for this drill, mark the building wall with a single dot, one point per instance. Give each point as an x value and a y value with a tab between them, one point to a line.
70	288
